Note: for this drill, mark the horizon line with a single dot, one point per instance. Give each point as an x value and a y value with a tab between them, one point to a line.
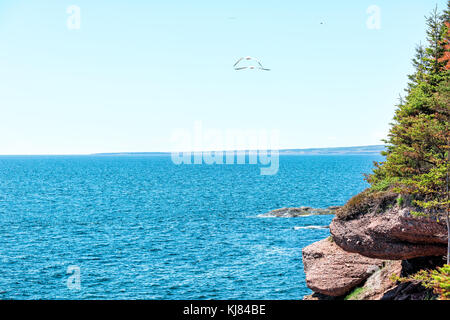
169	152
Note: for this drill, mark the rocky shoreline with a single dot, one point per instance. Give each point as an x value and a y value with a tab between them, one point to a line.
370	244
299	212
366	249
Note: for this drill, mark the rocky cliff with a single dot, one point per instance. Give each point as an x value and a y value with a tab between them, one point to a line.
371	241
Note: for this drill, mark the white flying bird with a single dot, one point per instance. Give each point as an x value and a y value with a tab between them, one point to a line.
249	67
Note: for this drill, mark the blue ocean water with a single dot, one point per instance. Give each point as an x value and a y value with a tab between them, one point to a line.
140	227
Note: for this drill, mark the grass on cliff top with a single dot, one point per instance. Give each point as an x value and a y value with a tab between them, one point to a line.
368	201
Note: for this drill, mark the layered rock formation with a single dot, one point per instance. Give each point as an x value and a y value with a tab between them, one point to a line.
378	283
368	247
393	235
381	286
299	212
332	271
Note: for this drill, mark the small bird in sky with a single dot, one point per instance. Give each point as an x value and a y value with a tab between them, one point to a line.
248	58
251	67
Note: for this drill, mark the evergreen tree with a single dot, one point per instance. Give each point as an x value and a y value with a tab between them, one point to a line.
436	32
446	14
417	156
420	66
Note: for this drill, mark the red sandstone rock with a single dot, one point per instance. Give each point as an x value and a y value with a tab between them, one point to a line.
392	235
332	271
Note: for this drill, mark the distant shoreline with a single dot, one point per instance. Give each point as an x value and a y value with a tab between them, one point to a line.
358	150
363	150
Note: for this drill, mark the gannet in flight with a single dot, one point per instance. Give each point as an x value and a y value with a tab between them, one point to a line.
249	67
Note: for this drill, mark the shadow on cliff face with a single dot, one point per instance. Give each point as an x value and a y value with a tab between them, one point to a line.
409	291
413	290
412	266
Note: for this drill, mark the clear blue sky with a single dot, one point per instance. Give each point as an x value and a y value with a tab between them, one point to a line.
137	70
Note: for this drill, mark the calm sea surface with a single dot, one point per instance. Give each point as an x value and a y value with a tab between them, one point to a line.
140	227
